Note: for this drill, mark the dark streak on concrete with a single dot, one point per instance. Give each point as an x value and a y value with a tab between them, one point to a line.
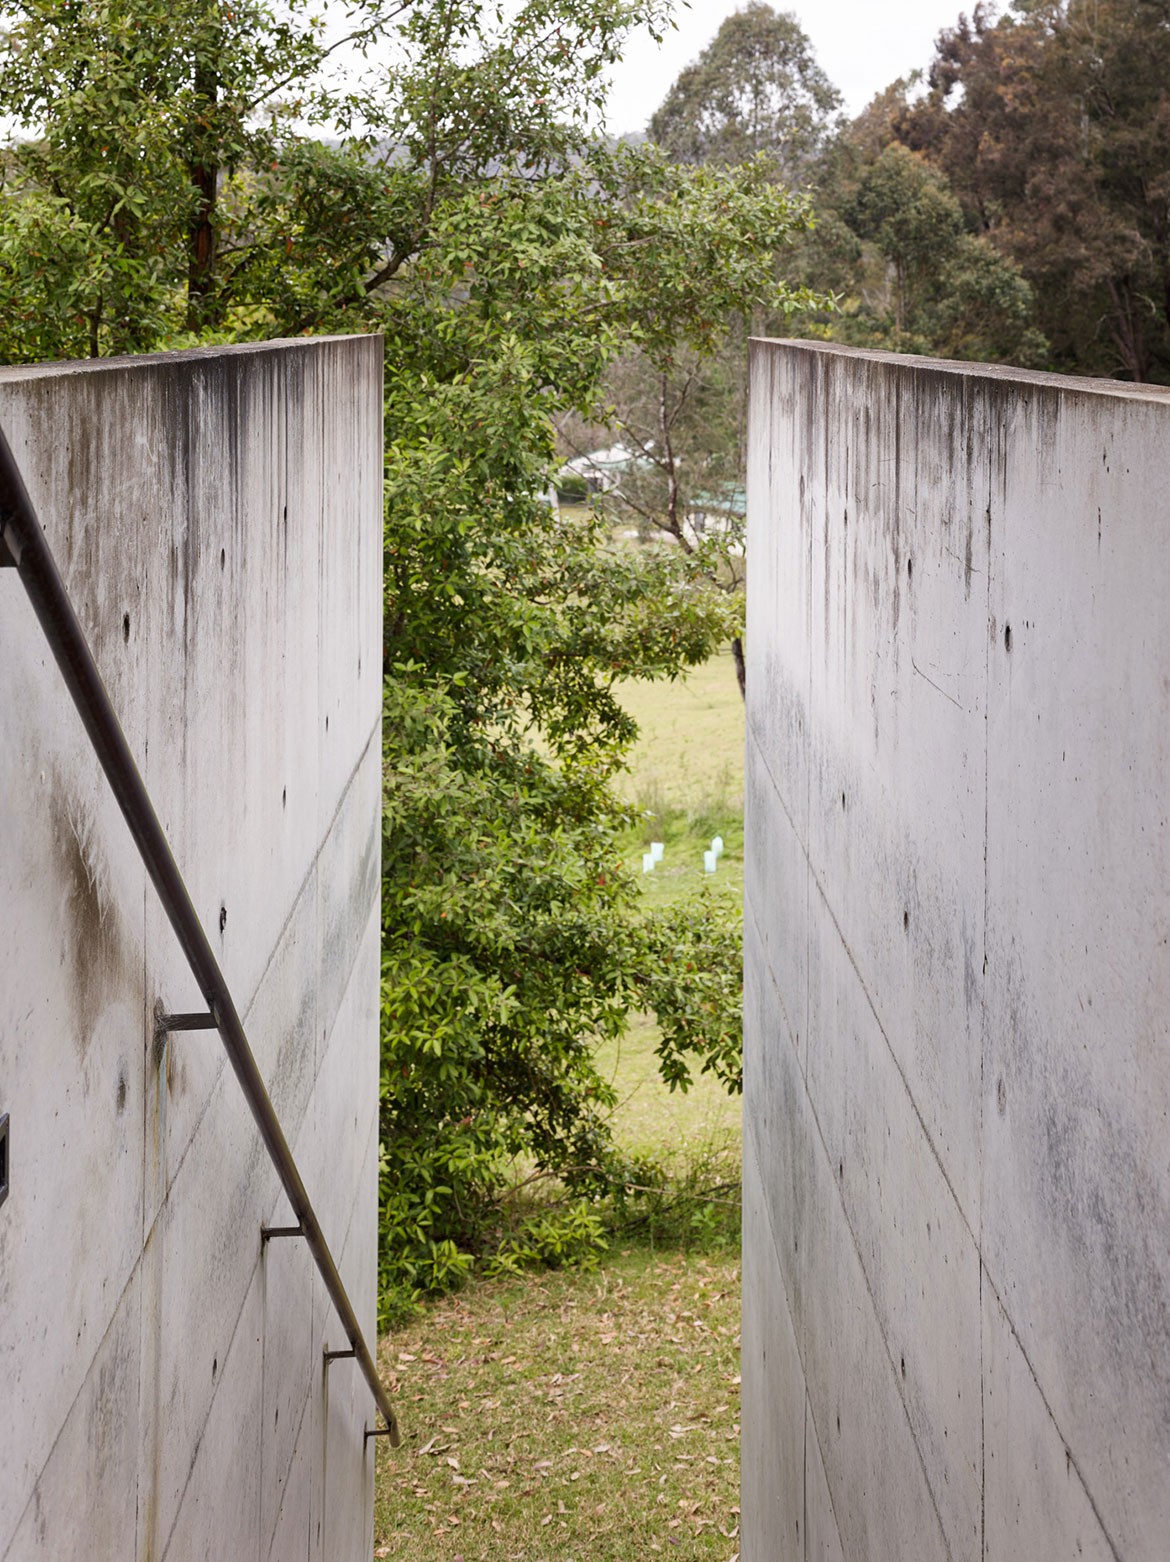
102	962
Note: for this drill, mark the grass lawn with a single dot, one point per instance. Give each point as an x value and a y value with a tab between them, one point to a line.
652	1120
690	752
593	1416
569	1418
686	778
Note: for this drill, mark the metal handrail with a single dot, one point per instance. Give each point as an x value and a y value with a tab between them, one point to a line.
23	546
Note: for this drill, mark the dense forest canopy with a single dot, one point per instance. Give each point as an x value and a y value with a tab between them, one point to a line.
1052	124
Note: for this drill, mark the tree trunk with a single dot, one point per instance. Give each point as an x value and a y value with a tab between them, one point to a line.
203	171
201	264
1128	332
740	666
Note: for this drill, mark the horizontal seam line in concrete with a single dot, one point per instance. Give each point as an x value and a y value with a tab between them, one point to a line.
68	1417
962	1214
246	1014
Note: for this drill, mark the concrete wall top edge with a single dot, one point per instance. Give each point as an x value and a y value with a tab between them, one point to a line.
1066	384
10	373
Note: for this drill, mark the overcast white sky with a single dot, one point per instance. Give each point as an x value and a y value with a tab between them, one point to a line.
862	45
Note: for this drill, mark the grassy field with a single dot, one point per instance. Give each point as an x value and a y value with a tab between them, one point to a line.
594	1416
686	780
569	1418
651	1120
690	753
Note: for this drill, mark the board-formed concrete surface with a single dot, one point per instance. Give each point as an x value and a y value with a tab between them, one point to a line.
217	519
957	1009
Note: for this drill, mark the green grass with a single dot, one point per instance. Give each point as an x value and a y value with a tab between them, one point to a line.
649	1119
690	752
686	779
686	836
568	1418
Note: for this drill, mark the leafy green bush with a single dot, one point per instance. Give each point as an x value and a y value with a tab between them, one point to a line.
692	982
505	922
693	1202
552	1239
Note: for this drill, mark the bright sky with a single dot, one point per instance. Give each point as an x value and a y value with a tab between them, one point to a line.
861	45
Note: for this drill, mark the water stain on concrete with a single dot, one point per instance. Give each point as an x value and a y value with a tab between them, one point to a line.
100	959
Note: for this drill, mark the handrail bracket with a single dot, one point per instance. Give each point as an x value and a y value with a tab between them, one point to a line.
172	1022
268	1232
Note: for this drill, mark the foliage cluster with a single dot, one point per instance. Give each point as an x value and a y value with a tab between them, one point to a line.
908	269
1052	124
756	89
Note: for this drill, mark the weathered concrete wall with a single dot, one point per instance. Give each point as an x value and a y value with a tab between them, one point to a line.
957	1120
217	517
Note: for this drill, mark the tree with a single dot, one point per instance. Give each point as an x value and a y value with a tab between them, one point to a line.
1053	125
679	406
464	209
148	121
513	936
755	100
756	88
683	420
953	294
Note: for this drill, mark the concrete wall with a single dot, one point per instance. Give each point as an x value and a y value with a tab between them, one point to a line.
957	1121
217	517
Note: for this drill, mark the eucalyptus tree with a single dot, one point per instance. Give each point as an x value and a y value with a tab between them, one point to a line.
756	88
1052	123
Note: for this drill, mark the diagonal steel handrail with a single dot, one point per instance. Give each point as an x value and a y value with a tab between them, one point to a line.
23	545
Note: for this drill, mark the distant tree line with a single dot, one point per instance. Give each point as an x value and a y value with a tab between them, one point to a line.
1012	204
